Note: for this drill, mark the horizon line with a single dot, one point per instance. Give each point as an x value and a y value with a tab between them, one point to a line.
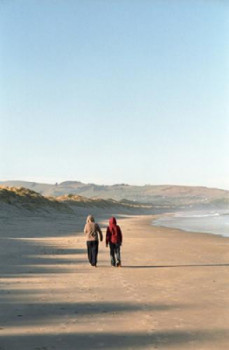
114	184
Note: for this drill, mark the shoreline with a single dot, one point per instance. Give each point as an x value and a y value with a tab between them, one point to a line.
191	230
171	292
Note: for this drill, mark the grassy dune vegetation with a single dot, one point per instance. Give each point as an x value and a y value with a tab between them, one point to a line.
24	198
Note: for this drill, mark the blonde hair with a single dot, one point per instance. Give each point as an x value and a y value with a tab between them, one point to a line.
90	218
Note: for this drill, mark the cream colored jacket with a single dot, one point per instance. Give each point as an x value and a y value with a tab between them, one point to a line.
92	230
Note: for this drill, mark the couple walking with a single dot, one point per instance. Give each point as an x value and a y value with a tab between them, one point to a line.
113	239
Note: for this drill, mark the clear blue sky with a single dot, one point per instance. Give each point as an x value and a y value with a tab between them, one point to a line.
113	91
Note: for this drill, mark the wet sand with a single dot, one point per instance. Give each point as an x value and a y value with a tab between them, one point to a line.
171	293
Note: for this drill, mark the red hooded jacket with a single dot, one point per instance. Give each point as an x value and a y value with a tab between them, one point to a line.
114	233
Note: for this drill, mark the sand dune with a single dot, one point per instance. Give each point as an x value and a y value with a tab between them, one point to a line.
25	202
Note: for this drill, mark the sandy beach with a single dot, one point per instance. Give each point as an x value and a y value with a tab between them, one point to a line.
171	293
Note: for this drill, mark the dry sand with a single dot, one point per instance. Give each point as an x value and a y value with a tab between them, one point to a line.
171	292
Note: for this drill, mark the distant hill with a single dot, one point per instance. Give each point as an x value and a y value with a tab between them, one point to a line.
162	195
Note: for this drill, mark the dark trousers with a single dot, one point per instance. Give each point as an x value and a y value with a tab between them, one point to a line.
115	254
92	252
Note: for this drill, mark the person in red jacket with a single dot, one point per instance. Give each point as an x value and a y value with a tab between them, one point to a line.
114	239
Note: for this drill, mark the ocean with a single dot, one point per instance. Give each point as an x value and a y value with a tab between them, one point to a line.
214	222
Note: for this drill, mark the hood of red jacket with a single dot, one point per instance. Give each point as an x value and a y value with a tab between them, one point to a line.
112	222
